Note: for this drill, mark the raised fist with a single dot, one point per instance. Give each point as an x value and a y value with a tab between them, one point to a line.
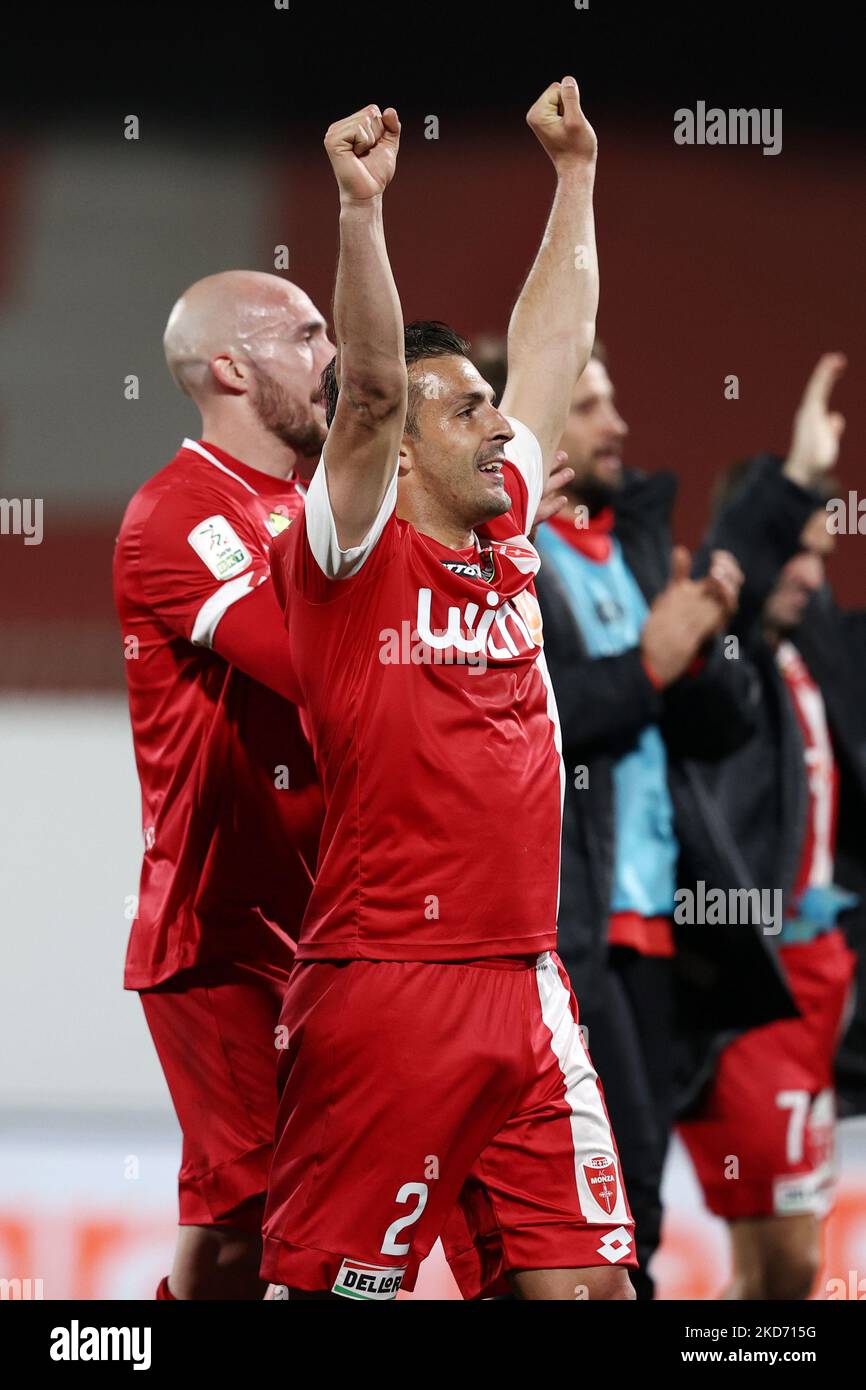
559	124
362	149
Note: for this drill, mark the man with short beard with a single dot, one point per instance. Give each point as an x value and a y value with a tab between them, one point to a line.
230	801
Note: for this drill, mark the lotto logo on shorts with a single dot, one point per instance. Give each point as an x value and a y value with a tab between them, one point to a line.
616	1244
368	1281
601	1176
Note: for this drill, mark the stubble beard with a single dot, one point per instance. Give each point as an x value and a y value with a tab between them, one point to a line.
288	418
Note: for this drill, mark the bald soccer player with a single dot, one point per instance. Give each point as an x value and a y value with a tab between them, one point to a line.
231	809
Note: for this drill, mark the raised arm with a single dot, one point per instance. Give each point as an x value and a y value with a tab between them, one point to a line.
762	523
552	326
364	438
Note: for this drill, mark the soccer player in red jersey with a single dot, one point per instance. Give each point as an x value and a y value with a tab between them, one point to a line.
435	1064
230	800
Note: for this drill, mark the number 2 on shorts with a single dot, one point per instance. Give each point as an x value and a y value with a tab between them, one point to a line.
390	1245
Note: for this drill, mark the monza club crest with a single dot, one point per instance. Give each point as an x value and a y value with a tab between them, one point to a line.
600	1174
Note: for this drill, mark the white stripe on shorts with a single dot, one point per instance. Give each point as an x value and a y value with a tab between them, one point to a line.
590	1131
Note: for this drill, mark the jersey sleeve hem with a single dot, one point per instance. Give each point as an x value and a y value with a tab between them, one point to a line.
208	616
524	452
322	530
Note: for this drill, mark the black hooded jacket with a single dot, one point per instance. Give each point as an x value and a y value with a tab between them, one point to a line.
762	790
727	976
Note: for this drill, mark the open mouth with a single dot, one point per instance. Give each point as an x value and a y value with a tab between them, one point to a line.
493	468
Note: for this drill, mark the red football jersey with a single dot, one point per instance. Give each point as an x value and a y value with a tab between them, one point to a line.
434	729
231	808
818	851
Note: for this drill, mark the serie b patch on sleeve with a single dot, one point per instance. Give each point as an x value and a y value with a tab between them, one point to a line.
217	543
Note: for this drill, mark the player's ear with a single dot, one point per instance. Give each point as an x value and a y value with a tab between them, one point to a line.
406	457
229	373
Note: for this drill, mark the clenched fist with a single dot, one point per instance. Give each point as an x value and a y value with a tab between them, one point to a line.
362	149
559	124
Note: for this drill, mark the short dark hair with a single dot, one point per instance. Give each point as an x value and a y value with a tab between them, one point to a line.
424	338
491	359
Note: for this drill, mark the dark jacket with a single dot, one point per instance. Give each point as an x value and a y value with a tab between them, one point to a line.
763	788
727	976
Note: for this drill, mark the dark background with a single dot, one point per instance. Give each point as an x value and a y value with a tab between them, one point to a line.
224	66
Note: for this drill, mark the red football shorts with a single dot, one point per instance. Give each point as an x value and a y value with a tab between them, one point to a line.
763	1145
409	1088
215	1032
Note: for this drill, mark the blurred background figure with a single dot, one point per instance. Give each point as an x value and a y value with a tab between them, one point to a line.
762	1137
641	682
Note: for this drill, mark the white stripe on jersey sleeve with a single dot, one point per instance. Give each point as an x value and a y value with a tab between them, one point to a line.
322	531
221	599
524	451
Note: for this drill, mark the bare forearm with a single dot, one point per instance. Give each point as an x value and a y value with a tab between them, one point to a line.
552	327
555	313
368	319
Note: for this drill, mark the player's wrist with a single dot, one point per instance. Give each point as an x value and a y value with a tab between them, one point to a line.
656	677
579	168
798	471
360	207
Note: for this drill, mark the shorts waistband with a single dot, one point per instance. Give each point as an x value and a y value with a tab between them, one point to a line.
498	962
526	962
